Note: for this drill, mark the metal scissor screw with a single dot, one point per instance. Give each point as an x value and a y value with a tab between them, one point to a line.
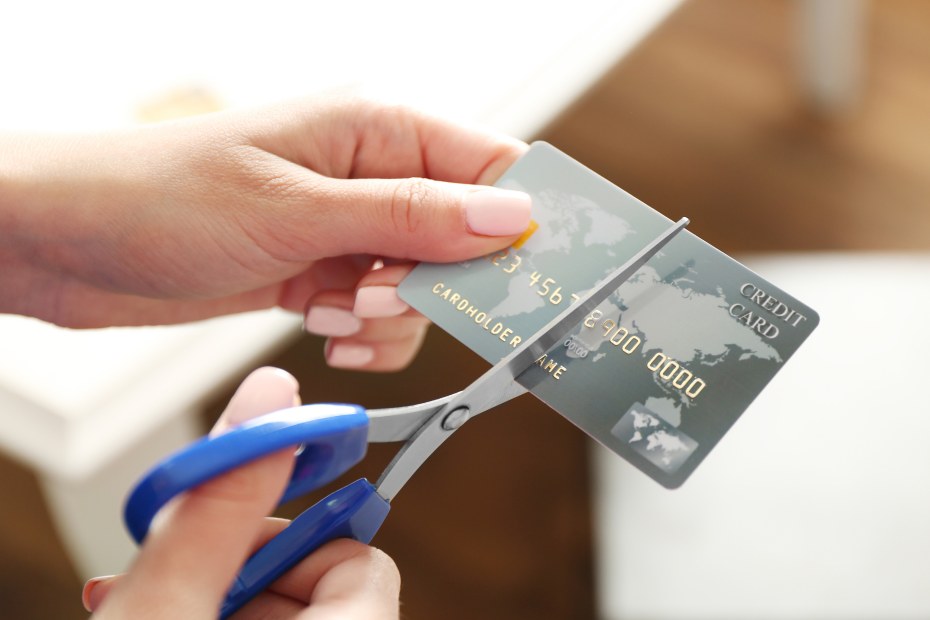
456	418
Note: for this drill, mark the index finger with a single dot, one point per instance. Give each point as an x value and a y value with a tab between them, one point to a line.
357	138
398	141
344	579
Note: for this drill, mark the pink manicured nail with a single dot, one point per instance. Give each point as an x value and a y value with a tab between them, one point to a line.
90	601
253	395
350	355
497	212
331	321
373	302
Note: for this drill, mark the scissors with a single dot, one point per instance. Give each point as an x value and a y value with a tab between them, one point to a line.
331	438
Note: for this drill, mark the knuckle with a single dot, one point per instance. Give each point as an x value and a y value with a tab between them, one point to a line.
409	201
247	484
236	487
390	115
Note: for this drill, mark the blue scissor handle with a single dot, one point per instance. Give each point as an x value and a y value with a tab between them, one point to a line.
333	438
354	511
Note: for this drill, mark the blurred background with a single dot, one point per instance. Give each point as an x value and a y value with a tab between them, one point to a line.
796	136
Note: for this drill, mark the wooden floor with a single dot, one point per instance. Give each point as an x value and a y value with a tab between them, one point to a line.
706	119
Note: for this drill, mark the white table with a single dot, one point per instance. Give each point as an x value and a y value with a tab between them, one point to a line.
91	410
817	503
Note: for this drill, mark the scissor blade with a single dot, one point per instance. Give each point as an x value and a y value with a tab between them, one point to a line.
495	386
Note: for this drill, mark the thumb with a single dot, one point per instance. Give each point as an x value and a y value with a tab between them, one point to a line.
416	218
200	540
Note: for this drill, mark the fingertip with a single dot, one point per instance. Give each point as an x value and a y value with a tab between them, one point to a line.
508	151
331	321
379	301
496	212
95	591
362	580
376	295
349	355
386	572
277	375
377	355
381	567
264	390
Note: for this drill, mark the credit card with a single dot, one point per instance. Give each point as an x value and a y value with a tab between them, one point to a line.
661	369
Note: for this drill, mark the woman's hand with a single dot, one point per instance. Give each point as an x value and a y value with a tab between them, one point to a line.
293	206
201	539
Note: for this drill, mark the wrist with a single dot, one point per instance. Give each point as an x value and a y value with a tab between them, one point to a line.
42	185
53	189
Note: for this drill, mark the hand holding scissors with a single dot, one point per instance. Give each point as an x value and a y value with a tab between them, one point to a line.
332	438
198	544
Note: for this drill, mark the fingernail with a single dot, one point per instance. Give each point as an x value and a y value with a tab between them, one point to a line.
350	355
378	301
254	394
88	598
497	212
331	321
